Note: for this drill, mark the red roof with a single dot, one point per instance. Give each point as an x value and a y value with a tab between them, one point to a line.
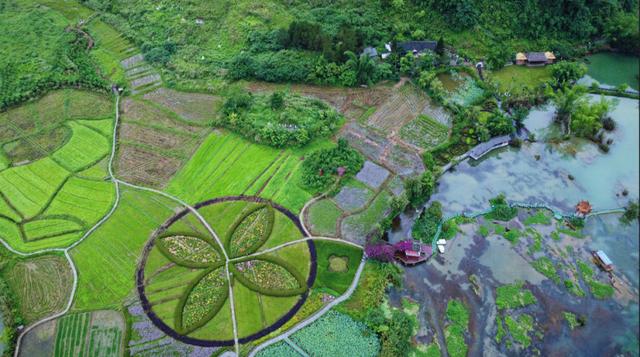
583	207
412	253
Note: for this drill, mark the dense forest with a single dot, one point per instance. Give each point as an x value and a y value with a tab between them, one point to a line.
307	40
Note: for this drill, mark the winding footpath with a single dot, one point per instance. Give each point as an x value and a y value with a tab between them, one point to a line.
284	336
117	185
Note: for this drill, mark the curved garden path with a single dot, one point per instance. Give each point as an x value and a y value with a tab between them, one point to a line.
117	185
317	315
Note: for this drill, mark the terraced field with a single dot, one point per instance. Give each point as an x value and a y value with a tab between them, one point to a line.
226	164
52	200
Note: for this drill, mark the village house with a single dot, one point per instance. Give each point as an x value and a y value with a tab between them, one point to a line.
410	252
535	58
370	52
418	48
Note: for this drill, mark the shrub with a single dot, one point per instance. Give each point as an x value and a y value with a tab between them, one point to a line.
319	169
419	189
501	210
426	226
609	124
631	213
279	120
428	160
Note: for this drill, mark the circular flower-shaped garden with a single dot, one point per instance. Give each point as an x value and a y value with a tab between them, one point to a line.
187	279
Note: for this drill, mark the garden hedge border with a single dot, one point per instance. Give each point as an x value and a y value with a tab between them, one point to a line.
238	222
302	288
189	264
155	319
179	312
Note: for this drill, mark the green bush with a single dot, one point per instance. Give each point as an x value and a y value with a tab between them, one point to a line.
501	210
279	120
513	296
419	189
320	169
426	226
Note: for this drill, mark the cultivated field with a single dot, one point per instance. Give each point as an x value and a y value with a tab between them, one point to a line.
51	199
154	143
99	333
231	165
42	285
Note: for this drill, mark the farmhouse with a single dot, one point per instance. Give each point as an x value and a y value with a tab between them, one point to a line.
535	58
417	47
370	52
410	252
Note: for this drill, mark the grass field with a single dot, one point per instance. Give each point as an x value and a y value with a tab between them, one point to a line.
513	78
323	217
86	147
225	164
337	282
42	285
107	260
52	200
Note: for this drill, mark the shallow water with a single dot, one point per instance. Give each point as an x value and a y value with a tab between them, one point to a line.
558	175
539	172
614	69
620	243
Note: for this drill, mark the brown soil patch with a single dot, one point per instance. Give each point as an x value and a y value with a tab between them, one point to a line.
145	168
351	102
133	110
197	107
149	136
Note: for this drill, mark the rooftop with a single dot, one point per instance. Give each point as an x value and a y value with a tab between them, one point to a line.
536	57
419	46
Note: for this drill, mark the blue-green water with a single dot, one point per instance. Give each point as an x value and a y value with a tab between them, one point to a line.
558	175
614	69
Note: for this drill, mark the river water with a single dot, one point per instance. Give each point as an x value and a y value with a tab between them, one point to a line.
559	175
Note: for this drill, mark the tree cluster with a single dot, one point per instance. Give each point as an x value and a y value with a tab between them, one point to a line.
322	168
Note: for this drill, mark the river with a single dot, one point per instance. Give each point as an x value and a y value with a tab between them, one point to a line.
559	175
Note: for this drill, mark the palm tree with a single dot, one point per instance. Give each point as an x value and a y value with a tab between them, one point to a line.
363	66
567	99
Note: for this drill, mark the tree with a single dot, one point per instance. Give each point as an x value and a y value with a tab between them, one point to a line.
567	100
363	66
277	100
565	73
440	46
419	189
631	213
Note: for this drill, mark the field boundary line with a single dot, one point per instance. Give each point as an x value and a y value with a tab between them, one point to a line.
285	335
293	242
66	250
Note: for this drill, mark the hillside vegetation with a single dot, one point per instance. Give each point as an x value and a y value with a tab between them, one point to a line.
196	40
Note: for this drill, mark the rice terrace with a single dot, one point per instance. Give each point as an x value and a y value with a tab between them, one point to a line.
328	178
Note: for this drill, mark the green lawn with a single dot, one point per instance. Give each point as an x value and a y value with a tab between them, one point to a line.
107	260
323	216
337	282
225	164
512	78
